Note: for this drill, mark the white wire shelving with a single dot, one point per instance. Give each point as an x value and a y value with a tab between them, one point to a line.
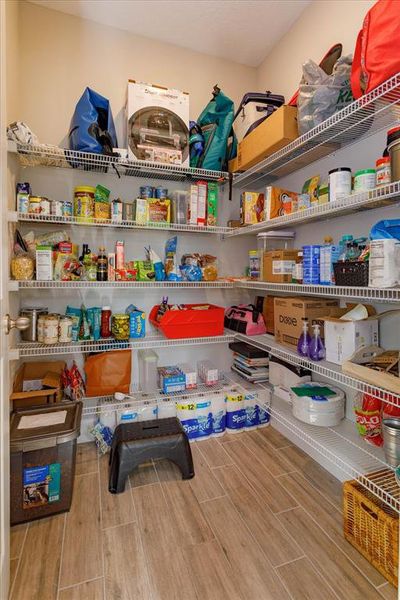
44	155
136	285
371	113
386	295
110	404
324	368
30	349
384	195
341	446
15	217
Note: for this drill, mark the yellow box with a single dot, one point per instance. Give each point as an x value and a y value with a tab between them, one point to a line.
251	208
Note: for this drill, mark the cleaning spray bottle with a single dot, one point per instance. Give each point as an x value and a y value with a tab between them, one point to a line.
304	340
316	348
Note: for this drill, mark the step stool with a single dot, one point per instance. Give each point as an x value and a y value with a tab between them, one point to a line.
136	443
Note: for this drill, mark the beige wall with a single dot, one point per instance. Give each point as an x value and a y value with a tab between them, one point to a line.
62	54
322	24
12	56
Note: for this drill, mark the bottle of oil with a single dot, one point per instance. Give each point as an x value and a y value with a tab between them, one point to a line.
102	265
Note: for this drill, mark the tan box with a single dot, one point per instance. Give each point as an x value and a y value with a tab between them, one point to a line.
278	265
43	375
289	312
279	202
233	165
272	134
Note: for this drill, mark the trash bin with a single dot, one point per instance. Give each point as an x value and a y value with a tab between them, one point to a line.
42	461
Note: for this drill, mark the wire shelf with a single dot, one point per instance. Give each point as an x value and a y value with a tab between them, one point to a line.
342	448
110	404
324	368
51	156
332	291
181	227
23	285
28	349
369	114
384	195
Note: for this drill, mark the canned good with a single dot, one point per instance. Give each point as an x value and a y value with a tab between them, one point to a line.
127	211
44	206
161	192
84	203
65	329
34	205
40	328
339	183
116	210
23	202
57	208
146	191
364	180
120	326
67	208
50	329
383	171
30	334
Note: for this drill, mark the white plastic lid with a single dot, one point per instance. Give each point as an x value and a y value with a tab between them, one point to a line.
285	234
106	308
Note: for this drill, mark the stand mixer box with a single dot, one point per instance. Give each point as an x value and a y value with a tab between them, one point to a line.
157	124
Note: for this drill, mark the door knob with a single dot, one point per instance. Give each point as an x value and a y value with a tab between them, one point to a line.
20	323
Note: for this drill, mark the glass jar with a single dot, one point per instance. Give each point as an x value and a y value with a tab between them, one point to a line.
120	326
65	330
40	328
50	330
22	267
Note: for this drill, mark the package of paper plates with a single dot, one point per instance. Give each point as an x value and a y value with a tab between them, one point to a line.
318	403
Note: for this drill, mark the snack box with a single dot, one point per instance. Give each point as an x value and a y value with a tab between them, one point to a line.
137	323
279	202
171	379
251	208
212	204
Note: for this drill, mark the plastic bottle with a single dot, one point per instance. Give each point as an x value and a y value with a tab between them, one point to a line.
316	348
353	251
102	265
304	340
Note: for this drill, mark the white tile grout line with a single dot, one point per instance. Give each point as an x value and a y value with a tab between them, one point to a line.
61	554
74	585
140	536
211	499
310	561
11	591
289	562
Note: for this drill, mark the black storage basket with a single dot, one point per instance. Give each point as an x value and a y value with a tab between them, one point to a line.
351	273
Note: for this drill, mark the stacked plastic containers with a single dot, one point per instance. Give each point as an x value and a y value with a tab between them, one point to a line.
311	267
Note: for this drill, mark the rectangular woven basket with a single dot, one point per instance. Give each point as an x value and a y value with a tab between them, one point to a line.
373	528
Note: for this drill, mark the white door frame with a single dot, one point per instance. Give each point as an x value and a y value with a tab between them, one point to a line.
4	366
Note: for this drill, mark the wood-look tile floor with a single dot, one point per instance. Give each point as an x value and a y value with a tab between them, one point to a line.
260	521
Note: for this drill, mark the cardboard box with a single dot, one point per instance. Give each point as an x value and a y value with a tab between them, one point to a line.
279	202
37	383
278	265
157	124
233	165
272	134
265	304
251	208
289	312
343	338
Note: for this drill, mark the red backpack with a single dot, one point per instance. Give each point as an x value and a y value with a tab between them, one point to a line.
377	51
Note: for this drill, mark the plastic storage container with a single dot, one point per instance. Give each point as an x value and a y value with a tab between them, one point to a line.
193	322
148	374
42	462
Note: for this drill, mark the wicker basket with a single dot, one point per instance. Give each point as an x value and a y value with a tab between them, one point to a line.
371	527
351	273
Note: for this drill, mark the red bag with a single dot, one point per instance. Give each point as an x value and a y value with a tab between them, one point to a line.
377	51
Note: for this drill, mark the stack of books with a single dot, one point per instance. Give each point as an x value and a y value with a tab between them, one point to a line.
249	362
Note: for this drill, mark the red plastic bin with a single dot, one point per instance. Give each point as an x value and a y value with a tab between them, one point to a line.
177	324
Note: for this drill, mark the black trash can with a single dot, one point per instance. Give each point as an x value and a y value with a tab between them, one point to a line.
42	460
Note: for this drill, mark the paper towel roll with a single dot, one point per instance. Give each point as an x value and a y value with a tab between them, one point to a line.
252	410
235	411
264	404
204	416
108	417
166	408
218	406
186	413
148	410
128	414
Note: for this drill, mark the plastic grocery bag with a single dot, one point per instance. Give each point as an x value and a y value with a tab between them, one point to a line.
108	373
321	95
386	229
